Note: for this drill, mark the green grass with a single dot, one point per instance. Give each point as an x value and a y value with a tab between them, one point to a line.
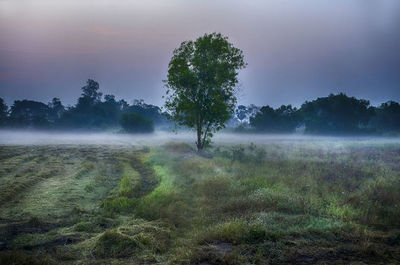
292	202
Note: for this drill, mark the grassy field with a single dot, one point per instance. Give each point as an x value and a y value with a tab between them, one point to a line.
278	202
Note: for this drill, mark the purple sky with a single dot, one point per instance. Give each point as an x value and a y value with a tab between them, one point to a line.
296	50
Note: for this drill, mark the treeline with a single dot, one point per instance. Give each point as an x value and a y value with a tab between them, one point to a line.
92	111
335	114
332	115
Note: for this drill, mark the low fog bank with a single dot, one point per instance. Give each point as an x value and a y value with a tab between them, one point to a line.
12	137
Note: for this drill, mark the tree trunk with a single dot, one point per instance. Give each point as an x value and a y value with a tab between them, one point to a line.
199	143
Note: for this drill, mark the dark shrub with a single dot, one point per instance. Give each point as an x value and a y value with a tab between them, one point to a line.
135	123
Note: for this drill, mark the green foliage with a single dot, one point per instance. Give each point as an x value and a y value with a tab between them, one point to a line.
3	112
90	111
56	110
336	114
202	75
241	112
149	111
387	117
283	119
90	94
29	113
135	123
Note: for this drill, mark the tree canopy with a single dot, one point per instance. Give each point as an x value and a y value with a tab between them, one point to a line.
283	119
3	112
336	114
29	112
136	123
387	118
202	76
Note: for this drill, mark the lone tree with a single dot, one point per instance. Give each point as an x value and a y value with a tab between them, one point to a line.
202	75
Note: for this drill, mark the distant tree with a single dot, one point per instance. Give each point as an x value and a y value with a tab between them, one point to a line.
123	105
289	118
29	113
387	117
135	123
252	110
336	114
202	75
147	110
242	116
89	112
56	109
110	99
3	112
90	95
108	112
265	120
92	113
241	113
283	119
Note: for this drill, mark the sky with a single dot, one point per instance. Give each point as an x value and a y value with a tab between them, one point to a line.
296	50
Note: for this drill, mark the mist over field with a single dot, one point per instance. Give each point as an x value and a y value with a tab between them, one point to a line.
34	137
